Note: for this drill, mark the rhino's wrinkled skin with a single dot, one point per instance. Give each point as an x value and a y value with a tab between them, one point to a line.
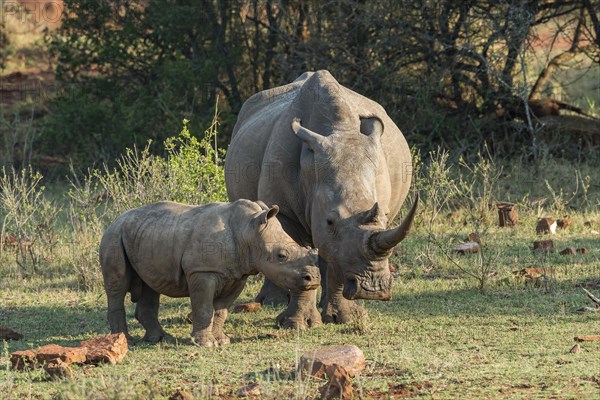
204	252
339	169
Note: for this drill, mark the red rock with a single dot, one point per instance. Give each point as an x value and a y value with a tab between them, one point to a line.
9	334
58	369
575	349
339	385
543	245
315	363
568	251
247	307
68	355
105	349
22	359
545	225
564	223
583	250
507	214
466	248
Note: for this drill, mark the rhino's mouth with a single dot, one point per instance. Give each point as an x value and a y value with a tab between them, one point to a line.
368	289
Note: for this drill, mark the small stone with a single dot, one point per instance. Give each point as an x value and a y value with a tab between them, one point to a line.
543	245
564	223
583	250
339	385
181	395
587	338
575	349
473	237
249	390
466	248
22	359
507	214
568	251
247	307
545	225
68	355
533	272
588	224
58	369
106	349
9	334
315	363
593	232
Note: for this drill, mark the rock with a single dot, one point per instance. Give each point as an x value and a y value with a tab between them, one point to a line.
568	251
58	369
466	248
473	237
593	232
543	245
315	363
247	307
588	224
575	349
587	338
23	359
105	349
339	385
249	391
583	250
181	395
9	334
564	223
68	355
545	225
507	214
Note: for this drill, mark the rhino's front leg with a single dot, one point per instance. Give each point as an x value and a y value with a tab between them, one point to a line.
301	312
202	288
218	330
338	309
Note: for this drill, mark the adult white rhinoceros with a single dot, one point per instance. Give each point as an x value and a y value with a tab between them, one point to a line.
339	169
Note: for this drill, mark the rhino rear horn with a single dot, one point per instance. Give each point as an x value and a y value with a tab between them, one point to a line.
312	139
380	243
371	215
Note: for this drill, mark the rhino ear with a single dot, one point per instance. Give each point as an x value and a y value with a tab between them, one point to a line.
371	126
266	215
312	139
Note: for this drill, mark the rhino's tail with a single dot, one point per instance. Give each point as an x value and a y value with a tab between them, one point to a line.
135	283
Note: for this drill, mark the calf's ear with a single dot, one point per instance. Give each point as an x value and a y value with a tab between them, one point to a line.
265	215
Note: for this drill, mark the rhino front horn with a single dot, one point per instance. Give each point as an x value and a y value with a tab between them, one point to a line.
380	243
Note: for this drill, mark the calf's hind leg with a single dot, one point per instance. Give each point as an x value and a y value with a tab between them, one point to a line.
146	312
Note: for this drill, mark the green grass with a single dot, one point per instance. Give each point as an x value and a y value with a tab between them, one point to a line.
511	341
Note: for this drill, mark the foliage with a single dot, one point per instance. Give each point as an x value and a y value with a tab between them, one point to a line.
449	73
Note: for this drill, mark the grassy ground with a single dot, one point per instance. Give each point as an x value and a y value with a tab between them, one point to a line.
439	337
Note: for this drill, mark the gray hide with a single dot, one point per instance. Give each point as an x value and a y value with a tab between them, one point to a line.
204	252
339	169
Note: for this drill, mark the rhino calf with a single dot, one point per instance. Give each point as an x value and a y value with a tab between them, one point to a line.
204	252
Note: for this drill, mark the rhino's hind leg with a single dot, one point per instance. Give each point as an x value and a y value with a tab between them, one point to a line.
301	312
272	295
146	312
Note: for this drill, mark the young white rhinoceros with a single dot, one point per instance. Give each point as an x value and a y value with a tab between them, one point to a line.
204	252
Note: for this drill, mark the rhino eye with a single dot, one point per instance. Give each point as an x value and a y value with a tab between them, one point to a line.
329	221
282	257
